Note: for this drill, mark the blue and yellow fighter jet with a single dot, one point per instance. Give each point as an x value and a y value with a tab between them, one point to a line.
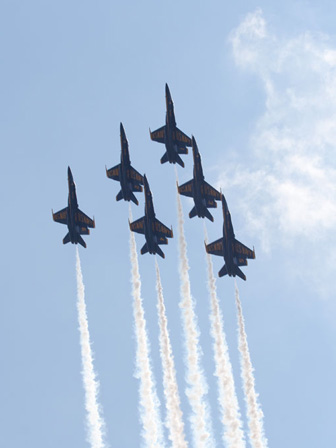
235	253
176	141
155	232
204	195
130	180
77	221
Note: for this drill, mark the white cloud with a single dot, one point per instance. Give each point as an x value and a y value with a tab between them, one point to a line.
287	188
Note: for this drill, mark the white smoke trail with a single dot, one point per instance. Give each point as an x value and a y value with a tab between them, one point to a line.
174	423
254	412
200	418
149	403
233	434
95	421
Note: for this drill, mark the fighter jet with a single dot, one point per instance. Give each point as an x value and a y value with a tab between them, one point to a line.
235	253
155	232
130	180
176	141
77	221
204	195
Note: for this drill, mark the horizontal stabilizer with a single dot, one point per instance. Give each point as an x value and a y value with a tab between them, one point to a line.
120	196
223	271
164	158
66	239
193	212
240	273
159	252
144	249
179	160
134	199
208	215
81	241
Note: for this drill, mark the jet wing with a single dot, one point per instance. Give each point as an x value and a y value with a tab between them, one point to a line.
113	173
138	226
136	187
215	248
82	218
210	192
241	262
135	176
181	137
61	216
162	240
186	189
161	230
242	251
211	203
158	135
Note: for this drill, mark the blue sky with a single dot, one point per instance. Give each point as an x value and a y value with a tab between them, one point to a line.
254	82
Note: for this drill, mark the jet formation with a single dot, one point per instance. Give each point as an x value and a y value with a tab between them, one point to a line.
204	195
78	222
235	254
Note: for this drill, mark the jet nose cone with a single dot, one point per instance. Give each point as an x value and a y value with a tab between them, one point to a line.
194	146
122	131
69	173
168	92
224	204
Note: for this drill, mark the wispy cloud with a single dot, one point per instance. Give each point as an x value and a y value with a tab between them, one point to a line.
287	186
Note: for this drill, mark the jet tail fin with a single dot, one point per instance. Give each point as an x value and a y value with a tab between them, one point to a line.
66	239
81	241
223	271
120	196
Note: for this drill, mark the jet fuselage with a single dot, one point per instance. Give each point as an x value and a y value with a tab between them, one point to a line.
228	240
171	146
198	185
150	236
73	208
